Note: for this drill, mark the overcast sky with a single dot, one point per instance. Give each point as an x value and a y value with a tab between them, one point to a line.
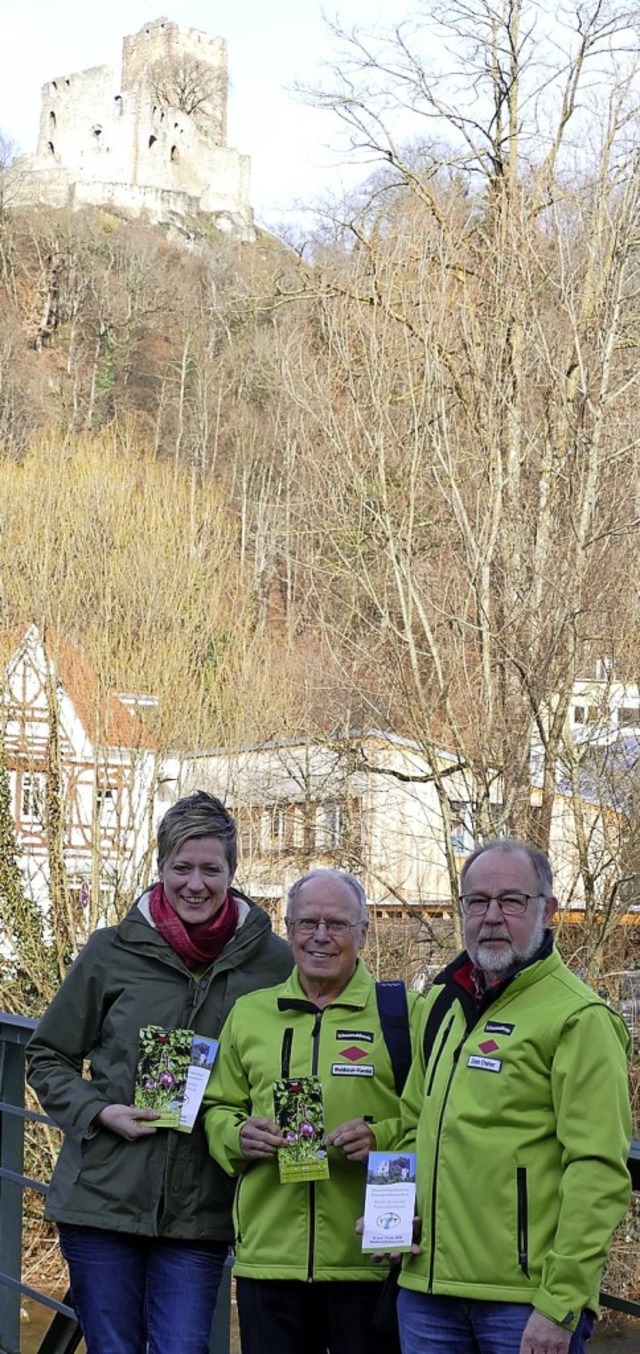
293	148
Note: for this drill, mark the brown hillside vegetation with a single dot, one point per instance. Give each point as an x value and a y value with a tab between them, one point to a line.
393	482
388	482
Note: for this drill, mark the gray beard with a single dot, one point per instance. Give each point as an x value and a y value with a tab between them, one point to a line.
494	961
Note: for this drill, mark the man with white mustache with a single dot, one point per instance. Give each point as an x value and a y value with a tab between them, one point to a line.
303	1283
518	1110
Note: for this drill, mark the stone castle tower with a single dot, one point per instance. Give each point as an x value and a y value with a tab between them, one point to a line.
155	143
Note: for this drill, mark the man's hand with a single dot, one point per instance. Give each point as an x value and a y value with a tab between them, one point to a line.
354	1138
543	1336
260	1138
127	1121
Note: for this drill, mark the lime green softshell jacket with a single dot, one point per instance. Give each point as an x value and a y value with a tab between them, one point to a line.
304	1230
522	1138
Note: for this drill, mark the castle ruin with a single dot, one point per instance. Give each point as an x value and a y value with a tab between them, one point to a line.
154	144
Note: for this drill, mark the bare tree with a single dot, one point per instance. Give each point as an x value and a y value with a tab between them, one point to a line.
471	398
193	87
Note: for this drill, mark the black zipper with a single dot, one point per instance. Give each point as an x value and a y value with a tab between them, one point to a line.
434	1183
438	1056
315	1040
285	1055
237	1210
523	1219
315	1058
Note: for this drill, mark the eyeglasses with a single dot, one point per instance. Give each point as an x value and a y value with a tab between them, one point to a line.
510	904
305	926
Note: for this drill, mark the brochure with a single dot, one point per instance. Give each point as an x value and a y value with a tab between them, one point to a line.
389	1203
299	1112
173	1071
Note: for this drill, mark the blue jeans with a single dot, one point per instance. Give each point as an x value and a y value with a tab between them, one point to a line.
137	1294
444	1325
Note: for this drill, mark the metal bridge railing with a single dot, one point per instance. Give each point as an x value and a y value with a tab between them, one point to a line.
63	1335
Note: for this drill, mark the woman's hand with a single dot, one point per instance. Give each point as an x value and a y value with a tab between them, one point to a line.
260	1138
127	1121
354	1138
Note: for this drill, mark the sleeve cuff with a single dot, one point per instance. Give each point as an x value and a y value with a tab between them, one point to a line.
555	1310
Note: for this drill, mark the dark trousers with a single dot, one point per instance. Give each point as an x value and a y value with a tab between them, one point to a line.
279	1316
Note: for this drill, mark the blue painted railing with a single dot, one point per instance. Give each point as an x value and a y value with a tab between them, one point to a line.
63	1335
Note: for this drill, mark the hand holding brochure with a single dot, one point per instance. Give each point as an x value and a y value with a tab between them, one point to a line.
173	1071
389	1204
299	1113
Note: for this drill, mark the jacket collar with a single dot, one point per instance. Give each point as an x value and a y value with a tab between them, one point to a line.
244	907
461	972
137	928
355	995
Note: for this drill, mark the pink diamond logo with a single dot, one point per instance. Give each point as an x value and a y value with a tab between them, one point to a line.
489	1046
354	1053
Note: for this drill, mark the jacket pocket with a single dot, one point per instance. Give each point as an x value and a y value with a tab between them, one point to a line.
438	1057
523	1219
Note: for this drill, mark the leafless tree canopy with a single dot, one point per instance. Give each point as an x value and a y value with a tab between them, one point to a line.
422	430
189	85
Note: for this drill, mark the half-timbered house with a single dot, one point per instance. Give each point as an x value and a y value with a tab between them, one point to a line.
81	768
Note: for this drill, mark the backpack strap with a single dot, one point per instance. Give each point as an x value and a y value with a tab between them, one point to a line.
443	1003
393	1011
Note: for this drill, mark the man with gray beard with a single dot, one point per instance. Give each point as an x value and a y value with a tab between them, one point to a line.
518	1110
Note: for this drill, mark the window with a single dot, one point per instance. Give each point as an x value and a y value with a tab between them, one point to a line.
282	828
274	815
338	826
329	825
579	714
628	715
106	805
462	839
32	795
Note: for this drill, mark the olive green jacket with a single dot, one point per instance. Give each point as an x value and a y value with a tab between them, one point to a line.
127	977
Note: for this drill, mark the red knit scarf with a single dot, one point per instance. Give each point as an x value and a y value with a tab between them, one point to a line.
198	944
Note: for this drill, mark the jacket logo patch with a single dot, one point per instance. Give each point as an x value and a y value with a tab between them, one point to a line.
484	1064
488	1046
498	1027
364	1036
353	1053
345	1070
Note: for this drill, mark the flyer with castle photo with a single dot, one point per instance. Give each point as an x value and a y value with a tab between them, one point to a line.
390	1199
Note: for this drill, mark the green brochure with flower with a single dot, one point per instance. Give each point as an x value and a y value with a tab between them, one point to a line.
299	1113
173	1071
